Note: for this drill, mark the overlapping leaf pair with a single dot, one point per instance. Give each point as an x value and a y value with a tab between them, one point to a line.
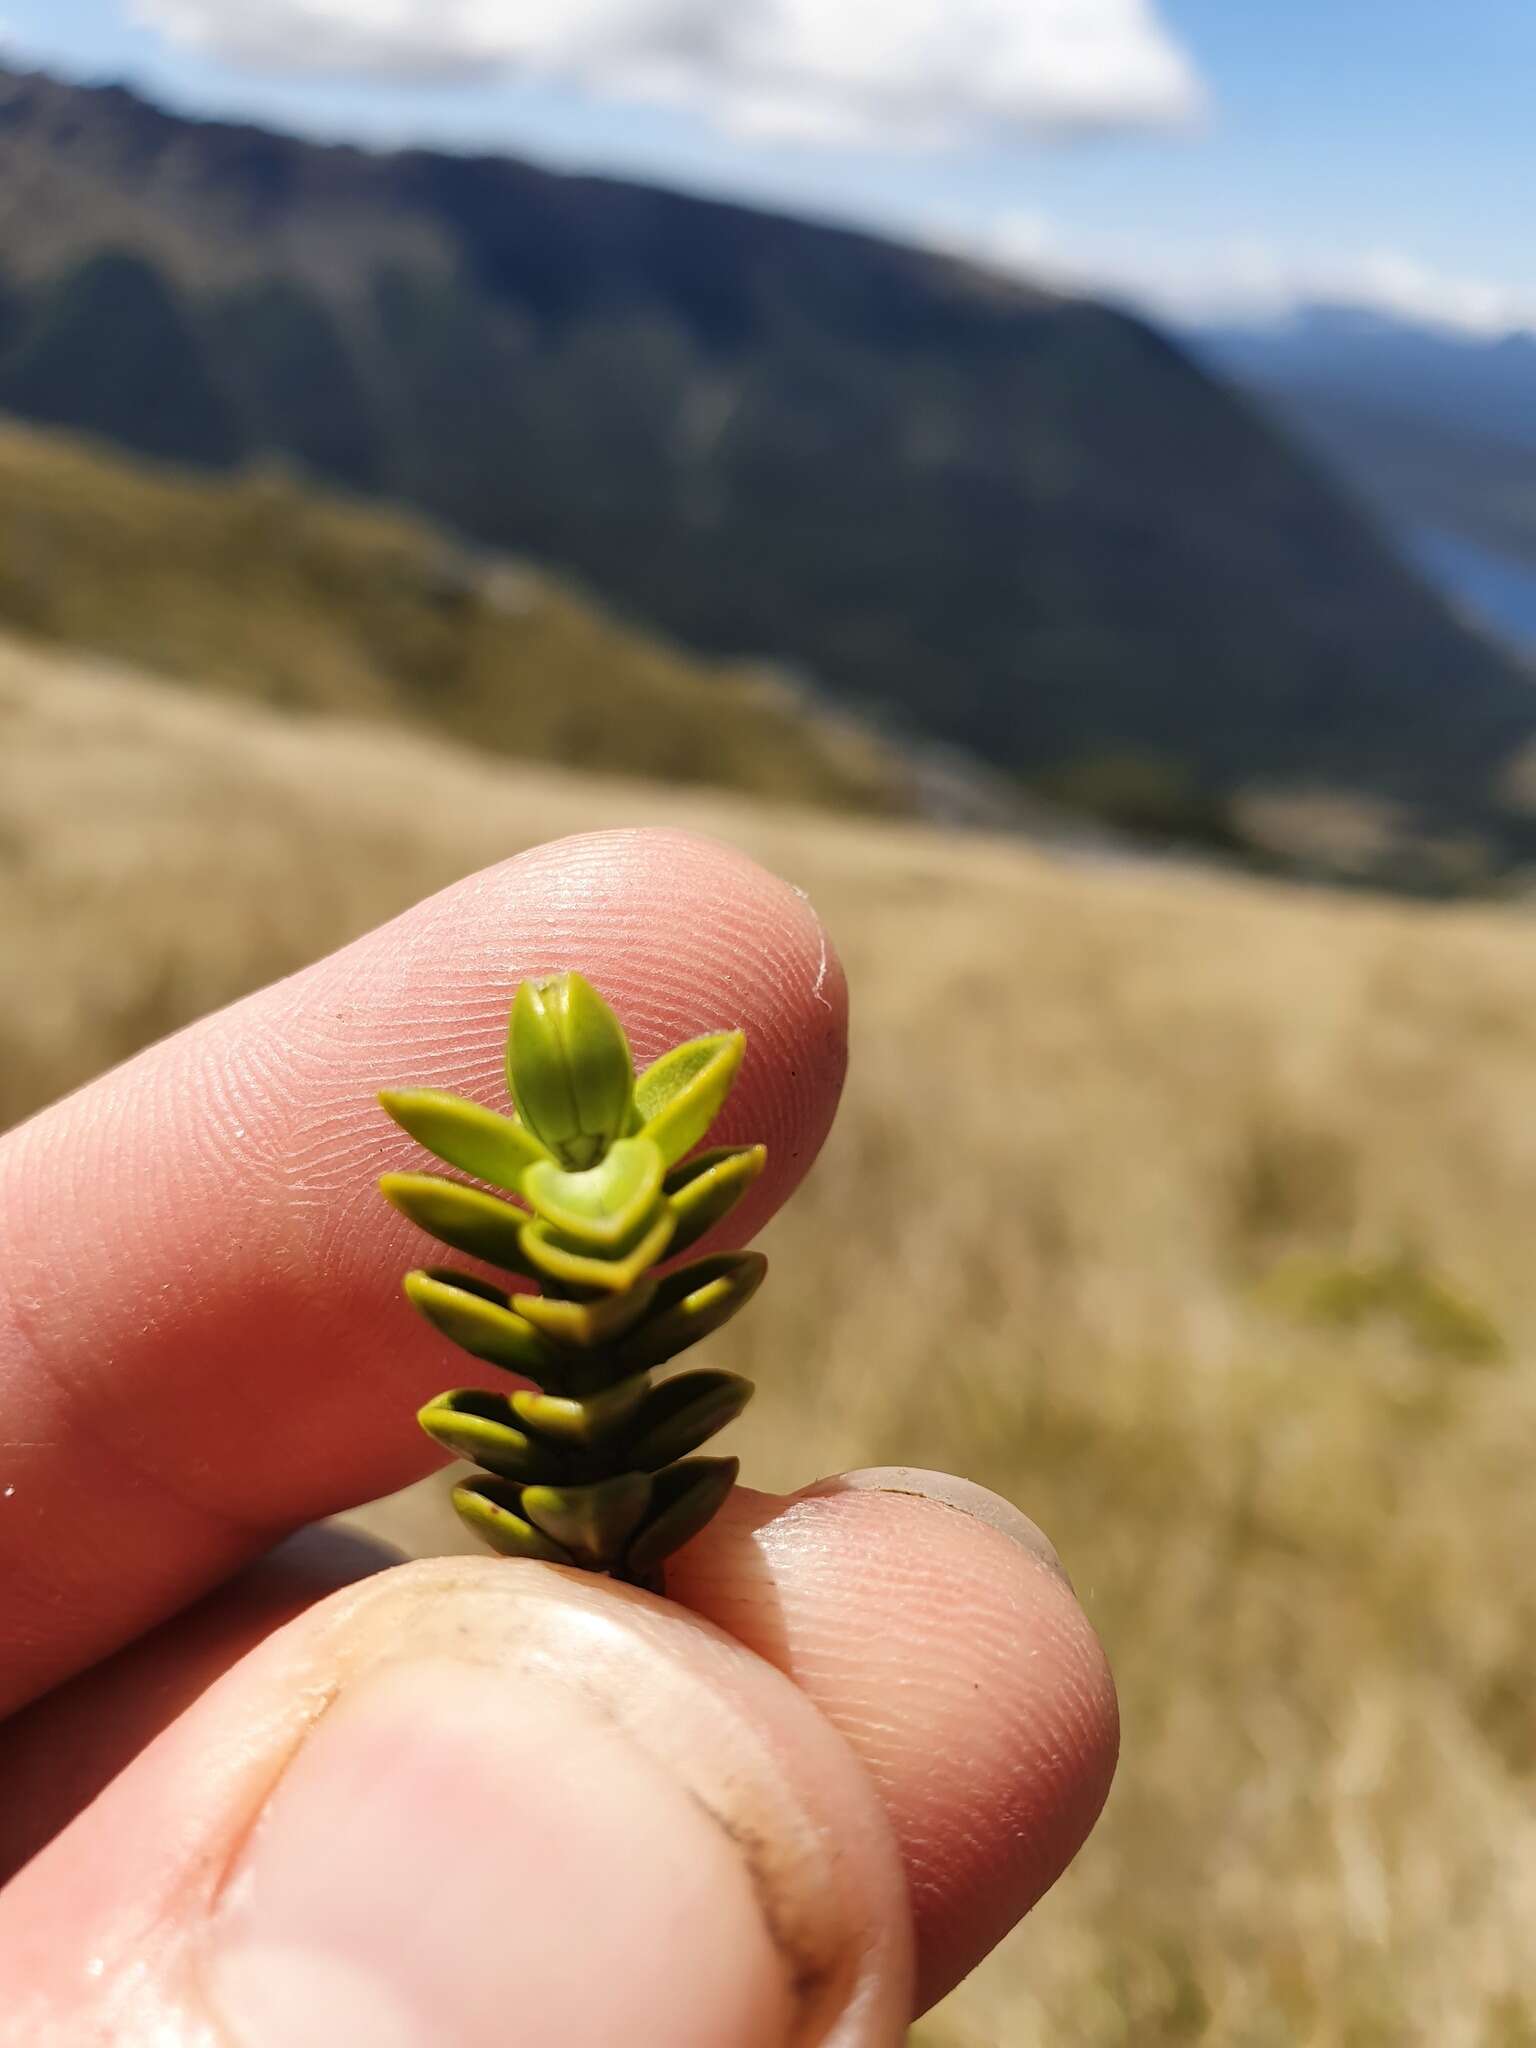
592	1465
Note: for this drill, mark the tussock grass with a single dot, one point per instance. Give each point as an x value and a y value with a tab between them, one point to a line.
1165	1103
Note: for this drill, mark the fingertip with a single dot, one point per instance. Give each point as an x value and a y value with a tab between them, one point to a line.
686	934
953	1656
224	1197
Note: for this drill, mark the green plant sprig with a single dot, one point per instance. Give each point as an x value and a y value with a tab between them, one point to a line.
593	1464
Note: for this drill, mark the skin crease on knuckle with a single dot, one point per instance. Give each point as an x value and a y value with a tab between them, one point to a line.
955	1664
742	1744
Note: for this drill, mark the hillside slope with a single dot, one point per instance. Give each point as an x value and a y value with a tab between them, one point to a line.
1256	1341
1023	523
263	588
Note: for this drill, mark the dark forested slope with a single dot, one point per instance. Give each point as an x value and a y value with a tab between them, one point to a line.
1020	522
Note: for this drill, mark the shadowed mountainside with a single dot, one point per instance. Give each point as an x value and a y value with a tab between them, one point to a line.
259	587
1433	428
1022	523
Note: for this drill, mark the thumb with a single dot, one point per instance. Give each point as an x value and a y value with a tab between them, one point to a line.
464	1801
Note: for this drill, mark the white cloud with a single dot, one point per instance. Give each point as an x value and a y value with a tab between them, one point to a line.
902	73
1246	279
1395	283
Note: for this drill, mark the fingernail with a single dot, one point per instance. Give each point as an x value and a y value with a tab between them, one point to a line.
951	1492
455	1843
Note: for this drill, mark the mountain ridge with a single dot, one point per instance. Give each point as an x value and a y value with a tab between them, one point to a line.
1428	425
1481	384
1017	522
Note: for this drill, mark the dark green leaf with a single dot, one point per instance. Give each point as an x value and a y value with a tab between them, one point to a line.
686	1499
482	1427
592	1522
691	1304
489	1508
682	1413
584	1325
470	1283
581	1423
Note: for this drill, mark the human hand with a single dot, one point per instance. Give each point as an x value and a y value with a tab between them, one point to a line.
465	1801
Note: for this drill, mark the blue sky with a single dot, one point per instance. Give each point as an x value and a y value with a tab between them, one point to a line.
1198	155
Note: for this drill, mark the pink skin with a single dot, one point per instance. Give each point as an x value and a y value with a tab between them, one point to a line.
959	1666
203	1347
196	1247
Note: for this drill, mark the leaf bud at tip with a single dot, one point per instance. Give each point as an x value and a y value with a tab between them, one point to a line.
569	1069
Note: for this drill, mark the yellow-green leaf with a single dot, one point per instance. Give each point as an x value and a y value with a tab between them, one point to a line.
476	1140
483	1328
679	1097
569	1068
471	1221
705	1191
605	1204
554	1260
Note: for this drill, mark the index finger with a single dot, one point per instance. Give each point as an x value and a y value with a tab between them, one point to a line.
202	1341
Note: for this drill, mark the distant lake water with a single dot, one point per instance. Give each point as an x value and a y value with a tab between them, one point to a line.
1494	588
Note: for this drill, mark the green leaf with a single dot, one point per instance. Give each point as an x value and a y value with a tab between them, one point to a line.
480	1224
581	1423
686	1499
691	1304
569	1068
489	1508
555	1260
592	1522
679	1176
603	1206
476	1140
468	1283
682	1413
482	1328
679	1097
585	1325
596	1157
482	1427
703	1196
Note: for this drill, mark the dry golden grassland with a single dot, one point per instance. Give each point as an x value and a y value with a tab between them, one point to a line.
1196	1216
